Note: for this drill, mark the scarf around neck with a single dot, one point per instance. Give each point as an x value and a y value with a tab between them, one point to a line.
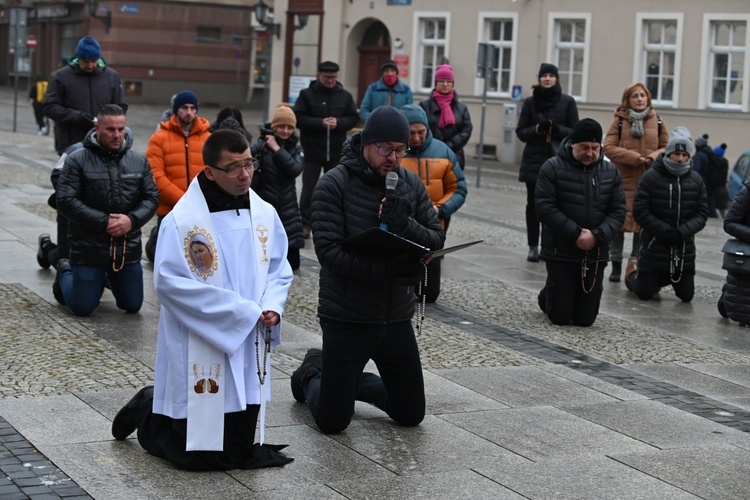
444	103
677	169
636	121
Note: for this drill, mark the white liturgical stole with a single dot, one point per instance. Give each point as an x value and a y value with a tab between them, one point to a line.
206	367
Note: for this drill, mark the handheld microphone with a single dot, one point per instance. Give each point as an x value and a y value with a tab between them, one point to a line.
391	180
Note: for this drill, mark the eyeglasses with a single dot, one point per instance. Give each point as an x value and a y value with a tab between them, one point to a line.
386	151
445	82
250	165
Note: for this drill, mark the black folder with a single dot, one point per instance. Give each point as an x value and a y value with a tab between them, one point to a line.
376	241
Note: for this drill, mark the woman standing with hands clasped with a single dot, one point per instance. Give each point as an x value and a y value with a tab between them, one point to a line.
547	117
635	138
448	117
275	181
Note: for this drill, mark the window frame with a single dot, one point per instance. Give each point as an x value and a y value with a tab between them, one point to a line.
418	47
483	23
553	53
640	61
704	98
202	38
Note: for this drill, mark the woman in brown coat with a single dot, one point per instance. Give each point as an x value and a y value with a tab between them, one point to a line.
635	138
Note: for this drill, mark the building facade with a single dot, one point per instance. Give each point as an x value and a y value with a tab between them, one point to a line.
692	54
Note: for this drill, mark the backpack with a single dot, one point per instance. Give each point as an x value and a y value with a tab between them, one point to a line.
41	90
717	170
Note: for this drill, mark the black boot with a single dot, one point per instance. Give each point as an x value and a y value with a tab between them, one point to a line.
533	254
311	366
614	276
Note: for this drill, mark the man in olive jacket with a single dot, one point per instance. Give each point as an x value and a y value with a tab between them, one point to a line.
107	193
581	205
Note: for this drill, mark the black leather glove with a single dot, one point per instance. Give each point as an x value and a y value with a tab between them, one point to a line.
672	237
543	127
85	119
396	212
405	269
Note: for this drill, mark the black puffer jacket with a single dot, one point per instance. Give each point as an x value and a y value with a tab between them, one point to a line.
275	181
74	97
570	197
664	202
737	290
315	103
455	136
544	104
96	182
355	287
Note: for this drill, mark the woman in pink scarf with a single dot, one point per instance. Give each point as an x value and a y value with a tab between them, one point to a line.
448	117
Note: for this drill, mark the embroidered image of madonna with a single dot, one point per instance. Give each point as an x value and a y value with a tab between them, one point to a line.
200	252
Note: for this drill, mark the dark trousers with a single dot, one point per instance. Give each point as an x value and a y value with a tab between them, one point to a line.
646	284
711	196
347	347
310	176
432	289
563	297
38	115
166	438
532	223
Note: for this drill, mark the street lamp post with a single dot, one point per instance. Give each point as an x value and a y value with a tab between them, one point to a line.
93	7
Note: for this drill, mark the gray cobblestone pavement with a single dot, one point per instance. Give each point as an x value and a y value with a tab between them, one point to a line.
486	319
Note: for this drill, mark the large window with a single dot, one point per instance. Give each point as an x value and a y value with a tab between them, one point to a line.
659	57
499	33
727	53
432	49
570	53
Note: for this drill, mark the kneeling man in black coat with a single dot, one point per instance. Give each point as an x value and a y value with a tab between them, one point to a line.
581	205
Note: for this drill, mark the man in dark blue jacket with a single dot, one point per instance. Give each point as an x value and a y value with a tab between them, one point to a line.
366	299
581	205
107	193
78	91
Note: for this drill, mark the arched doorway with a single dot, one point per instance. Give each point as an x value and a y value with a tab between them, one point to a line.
374	49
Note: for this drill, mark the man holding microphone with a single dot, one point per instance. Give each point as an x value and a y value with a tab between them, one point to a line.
367	299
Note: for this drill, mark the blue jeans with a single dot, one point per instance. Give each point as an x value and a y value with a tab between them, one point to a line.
82	287
347	347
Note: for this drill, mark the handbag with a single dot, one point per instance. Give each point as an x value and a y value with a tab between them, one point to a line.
736	257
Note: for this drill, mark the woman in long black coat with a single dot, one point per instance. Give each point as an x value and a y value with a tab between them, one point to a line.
547	117
735	298
275	181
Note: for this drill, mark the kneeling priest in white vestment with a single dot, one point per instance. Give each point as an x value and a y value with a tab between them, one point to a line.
222	278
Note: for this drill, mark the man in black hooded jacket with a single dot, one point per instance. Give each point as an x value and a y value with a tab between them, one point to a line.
366	300
581	205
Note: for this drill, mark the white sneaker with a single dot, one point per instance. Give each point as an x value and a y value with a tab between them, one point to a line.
44	131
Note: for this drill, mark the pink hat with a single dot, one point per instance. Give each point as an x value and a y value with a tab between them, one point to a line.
444	72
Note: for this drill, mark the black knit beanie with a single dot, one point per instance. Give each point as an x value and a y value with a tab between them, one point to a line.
586	130
385	124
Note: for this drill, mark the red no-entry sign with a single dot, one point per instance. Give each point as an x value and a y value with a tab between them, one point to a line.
31	42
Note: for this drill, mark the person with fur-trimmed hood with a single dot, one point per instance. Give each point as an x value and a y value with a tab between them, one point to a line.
671	207
581	205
